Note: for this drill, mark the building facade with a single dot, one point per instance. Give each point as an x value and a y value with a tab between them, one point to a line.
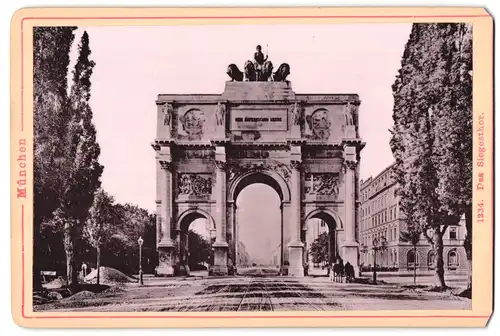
380	216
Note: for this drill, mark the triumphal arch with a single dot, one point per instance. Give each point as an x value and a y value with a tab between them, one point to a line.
209	147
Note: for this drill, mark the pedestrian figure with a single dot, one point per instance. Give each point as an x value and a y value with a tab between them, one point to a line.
84	269
349	272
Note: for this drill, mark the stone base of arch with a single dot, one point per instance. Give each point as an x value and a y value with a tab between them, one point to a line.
220	259
166	261
295	258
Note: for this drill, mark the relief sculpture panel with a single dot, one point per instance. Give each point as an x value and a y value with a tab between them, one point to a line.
195	184
321	184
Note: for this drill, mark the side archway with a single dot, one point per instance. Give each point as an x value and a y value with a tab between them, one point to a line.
186	259
320	226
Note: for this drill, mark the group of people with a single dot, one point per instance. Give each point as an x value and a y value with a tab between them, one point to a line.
338	271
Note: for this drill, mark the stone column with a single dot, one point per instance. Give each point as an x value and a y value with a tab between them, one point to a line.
230	239
287	234
220	245
158	222
282	241
350	247
295	246
165	244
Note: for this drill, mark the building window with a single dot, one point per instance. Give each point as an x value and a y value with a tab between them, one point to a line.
453	233
452	260
411	260
431	260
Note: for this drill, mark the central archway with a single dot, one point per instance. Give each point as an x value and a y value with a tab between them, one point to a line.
279	186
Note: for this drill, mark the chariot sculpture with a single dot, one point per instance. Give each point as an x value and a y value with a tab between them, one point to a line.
259	70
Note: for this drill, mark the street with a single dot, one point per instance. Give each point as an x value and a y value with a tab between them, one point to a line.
255	293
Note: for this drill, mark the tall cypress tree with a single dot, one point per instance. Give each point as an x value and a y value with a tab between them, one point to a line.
80	168
51	47
417	90
453	126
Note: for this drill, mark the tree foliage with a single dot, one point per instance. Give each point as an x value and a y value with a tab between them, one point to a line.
200	250
99	225
51	47
431	138
319	249
79	166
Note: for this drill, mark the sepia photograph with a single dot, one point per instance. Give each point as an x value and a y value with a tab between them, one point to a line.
257	168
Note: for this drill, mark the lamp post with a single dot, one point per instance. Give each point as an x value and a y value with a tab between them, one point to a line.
140	241
379	244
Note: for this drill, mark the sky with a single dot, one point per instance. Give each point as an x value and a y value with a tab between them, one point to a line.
134	64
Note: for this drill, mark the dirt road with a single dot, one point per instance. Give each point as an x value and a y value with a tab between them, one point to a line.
256	293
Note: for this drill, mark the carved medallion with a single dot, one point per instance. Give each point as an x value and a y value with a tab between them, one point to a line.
195	184
192	123
321	184
320	125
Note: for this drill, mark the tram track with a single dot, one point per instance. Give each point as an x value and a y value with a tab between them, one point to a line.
302	297
260	301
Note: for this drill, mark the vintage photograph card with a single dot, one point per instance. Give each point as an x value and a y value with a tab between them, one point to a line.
293	167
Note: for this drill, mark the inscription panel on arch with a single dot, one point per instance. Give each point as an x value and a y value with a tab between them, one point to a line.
259	120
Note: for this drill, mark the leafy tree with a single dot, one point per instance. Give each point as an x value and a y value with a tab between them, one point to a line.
122	250
99	225
412	235
79	167
200	249
319	249
452	92
51	47
424	139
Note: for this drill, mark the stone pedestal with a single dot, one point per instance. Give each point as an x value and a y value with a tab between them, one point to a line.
220	258
295	252
166	259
